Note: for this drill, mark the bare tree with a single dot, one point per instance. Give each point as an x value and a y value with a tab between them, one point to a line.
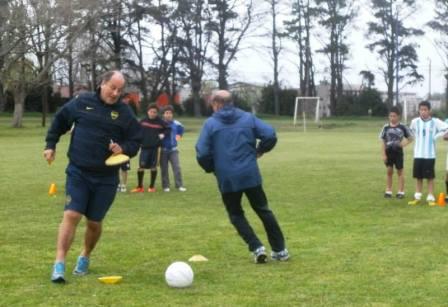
229	28
276	49
193	40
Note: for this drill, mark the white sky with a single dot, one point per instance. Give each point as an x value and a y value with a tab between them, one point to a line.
254	62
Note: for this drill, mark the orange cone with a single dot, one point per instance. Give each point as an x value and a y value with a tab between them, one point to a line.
441	200
52	191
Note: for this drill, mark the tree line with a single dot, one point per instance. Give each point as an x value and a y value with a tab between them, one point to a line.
162	44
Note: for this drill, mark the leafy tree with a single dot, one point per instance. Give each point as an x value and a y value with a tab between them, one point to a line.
336	16
392	41
368	78
286	99
298	29
440	24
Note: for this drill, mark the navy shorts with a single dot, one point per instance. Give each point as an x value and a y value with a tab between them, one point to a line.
149	157
89	194
424	168
125	166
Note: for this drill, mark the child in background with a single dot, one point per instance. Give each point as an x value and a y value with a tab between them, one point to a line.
133	102
392	136
154	129
170	153
426	130
124	169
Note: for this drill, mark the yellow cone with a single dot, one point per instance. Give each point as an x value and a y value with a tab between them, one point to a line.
197	258
52	191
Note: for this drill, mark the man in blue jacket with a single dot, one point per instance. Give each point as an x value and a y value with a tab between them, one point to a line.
227	146
102	125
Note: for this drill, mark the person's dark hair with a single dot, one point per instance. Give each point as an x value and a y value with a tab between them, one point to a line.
152	106
168	108
424	103
395	110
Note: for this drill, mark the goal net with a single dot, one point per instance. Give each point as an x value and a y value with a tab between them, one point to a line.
308	107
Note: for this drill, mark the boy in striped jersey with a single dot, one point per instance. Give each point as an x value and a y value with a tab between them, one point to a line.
426	130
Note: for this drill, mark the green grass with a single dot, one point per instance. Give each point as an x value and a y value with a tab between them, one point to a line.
349	246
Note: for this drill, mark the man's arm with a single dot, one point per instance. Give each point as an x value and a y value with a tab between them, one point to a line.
62	122
266	134
442	129
133	138
204	151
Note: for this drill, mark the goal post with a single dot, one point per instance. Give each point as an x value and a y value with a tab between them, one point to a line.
304	104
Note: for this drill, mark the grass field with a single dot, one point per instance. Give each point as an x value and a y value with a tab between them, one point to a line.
349	246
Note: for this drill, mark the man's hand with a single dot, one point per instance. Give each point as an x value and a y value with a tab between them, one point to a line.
115	148
161	136
49	155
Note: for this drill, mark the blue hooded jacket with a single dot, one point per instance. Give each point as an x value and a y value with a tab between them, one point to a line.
169	143
228	147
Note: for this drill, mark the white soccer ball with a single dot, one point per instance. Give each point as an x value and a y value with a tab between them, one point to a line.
179	275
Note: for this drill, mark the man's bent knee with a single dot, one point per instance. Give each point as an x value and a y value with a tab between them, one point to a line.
94	226
72	217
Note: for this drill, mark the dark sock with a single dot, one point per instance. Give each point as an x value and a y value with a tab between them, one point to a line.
140	174
153	178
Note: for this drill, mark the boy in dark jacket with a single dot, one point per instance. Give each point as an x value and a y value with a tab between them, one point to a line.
227	146
154	129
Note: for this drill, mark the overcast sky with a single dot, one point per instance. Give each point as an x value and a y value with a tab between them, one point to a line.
254	63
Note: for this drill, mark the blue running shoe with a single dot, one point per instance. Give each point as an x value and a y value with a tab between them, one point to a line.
260	255
82	266
58	273
281	255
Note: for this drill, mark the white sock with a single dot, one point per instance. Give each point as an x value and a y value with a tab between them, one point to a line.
430	197
418	195
401	192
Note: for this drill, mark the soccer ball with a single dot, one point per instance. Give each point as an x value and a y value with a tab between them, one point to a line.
179	275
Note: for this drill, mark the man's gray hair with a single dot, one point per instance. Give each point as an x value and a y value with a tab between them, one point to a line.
223	97
108	75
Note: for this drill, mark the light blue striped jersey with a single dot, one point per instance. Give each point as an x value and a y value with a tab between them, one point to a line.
426	133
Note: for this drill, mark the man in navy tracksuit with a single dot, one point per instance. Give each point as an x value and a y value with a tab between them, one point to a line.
227	146
103	125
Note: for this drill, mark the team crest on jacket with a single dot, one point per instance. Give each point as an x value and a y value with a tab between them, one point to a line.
68	199
114	115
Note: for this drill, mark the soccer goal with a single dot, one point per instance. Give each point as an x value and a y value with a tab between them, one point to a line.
308	105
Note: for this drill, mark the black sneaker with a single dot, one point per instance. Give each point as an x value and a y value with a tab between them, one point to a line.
400	195
260	255
387	195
